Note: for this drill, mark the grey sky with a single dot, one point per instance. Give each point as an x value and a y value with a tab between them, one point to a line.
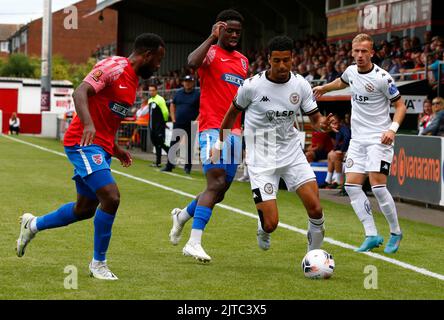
24	11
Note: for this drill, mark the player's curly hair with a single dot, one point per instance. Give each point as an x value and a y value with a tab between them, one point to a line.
148	41
229	14
280	43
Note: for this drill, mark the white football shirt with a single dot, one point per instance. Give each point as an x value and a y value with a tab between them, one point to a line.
270	112
372	93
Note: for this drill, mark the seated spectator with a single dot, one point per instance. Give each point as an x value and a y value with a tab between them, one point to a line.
436	126
336	156
321	145
14	124
425	117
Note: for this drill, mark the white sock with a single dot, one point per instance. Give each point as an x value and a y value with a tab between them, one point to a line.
95	262
183	216
387	206
315	233
328	177
196	235
33	225
337	177
246	171
361	205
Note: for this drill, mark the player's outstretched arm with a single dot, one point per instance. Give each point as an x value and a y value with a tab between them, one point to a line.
80	97
400	110
337	84
196	58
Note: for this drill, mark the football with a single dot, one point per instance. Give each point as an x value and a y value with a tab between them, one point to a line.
318	264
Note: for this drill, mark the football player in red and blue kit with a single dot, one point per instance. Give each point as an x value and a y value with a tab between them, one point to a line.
222	70
102	100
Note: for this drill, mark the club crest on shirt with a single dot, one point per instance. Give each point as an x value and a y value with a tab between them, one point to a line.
369	87
244	64
96	75
97	158
294	98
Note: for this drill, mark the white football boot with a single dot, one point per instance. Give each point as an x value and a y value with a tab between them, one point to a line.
194	249
26	235
263	238
100	270
176	230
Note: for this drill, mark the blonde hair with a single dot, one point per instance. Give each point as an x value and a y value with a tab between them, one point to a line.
438	100
363	37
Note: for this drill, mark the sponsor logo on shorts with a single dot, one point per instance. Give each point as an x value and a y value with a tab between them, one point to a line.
268	188
349	163
97	158
385	167
294	98
96	75
257	195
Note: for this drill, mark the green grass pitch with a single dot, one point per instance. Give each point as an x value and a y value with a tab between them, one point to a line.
149	267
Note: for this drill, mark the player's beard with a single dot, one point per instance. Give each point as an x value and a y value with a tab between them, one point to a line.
145	72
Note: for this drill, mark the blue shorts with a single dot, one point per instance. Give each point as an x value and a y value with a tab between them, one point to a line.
91	168
231	154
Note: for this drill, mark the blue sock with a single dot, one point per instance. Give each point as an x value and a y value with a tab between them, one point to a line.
103	223
59	218
201	217
192	207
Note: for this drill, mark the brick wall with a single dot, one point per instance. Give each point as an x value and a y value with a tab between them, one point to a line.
75	45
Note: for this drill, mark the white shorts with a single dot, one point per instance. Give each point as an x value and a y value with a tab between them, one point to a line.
363	157
265	183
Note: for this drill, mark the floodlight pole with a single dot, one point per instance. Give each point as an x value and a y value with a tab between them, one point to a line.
45	100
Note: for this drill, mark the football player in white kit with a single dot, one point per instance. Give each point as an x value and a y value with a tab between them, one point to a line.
271	100
373	134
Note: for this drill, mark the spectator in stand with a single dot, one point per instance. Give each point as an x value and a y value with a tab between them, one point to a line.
334	177
139	135
14	124
321	145
332	74
425	117
312	74
157	123
436	126
184	110
302	70
434	67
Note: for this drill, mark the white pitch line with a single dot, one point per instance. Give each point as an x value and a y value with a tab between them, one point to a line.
176	175
254	216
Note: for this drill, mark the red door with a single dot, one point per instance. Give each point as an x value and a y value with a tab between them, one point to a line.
8	105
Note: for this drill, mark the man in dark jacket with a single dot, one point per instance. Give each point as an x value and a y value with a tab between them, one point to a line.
184	110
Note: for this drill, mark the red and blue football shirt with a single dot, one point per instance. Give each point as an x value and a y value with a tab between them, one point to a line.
115	83
221	74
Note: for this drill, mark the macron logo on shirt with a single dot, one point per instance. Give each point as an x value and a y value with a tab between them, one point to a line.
233	79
